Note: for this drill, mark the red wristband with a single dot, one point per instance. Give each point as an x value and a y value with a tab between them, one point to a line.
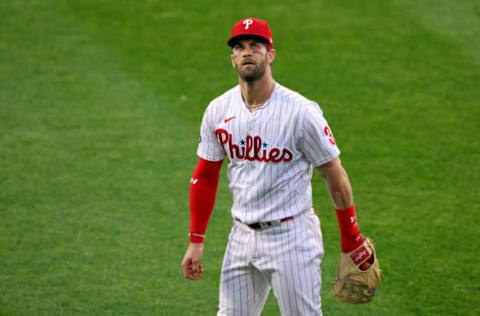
347	221
196	238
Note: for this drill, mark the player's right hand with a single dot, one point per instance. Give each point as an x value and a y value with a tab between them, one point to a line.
192	269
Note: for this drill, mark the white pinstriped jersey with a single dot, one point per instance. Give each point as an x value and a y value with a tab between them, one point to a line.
271	151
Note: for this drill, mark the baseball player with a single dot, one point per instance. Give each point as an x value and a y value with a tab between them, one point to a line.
272	138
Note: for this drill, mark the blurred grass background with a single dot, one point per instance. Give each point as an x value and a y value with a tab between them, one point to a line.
100	107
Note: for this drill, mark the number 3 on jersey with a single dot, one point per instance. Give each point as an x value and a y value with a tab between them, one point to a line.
329	134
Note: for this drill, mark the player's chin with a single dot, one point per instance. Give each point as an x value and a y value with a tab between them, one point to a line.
246	71
249	76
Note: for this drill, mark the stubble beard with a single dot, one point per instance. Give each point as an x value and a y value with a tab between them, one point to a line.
252	75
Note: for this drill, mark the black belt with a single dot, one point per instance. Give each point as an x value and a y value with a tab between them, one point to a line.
262	225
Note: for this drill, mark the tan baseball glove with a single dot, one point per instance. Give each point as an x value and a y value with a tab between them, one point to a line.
358	275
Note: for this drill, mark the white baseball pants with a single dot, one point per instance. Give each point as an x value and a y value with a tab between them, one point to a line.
285	258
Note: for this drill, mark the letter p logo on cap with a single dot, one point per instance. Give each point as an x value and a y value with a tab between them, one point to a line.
247	23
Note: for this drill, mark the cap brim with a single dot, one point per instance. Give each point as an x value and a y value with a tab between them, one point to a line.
235	39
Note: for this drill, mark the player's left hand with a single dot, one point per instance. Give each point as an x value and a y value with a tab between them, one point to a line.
358	274
192	269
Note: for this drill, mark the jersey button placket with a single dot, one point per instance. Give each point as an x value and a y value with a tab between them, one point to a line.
250	124
250	131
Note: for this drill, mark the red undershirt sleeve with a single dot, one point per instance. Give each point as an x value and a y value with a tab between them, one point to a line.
203	189
347	221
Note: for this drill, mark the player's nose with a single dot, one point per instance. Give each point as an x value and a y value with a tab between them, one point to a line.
247	51
246	56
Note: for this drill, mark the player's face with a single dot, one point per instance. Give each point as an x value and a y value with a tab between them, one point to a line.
250	58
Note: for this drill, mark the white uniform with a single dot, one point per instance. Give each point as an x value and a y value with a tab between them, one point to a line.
271	152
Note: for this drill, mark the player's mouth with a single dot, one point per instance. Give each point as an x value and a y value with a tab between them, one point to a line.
248	62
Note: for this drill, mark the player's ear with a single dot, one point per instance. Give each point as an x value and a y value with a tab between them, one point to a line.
271	55
231	59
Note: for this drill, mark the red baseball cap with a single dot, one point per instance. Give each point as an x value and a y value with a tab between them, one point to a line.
252	27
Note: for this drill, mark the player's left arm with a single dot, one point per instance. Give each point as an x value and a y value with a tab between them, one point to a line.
320	149
340	190
359	272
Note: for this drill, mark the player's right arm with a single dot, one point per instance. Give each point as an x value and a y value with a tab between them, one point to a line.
203	189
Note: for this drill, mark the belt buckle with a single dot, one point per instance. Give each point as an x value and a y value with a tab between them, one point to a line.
269	224
275	223
264	224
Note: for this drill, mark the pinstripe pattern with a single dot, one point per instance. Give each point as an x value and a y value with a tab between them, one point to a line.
271	154
268	191
285	258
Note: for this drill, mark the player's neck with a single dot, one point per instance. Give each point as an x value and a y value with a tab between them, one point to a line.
257	92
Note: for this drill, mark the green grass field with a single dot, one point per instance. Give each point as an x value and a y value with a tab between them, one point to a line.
100	107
